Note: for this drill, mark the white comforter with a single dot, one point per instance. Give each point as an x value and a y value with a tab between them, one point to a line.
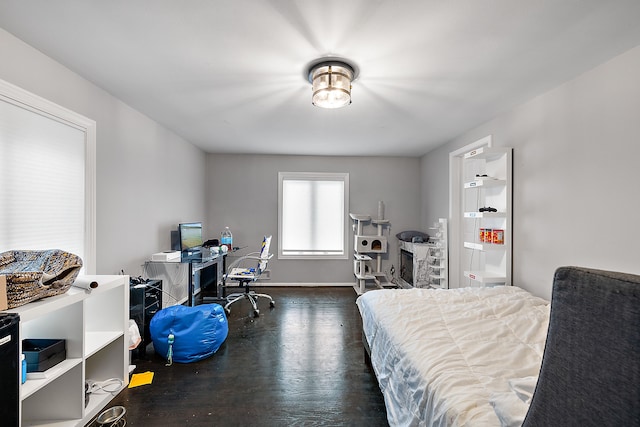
448	357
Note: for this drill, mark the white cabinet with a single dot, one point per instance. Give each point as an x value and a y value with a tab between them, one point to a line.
95	327
425	264
487	216
414	267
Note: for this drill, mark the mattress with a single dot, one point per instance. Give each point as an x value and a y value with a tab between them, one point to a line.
453	357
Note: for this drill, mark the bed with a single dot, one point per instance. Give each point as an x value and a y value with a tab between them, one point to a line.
473	356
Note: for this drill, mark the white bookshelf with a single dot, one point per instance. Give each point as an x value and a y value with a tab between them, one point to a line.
94	325
487	183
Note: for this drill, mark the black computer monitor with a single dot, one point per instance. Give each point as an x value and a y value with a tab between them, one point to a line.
190	236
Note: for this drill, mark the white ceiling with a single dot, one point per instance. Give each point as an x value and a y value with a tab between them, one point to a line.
229	75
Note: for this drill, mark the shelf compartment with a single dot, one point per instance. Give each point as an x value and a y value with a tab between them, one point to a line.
104	309
485	276
484	215
61	323
57	400
105	364
97	402
484	246
34	384
486	153
94	341
485	183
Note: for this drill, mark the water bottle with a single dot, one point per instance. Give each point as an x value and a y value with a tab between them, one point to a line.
226	238
24	369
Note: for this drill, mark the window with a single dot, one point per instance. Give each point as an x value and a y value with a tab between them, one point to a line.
47	158
312	220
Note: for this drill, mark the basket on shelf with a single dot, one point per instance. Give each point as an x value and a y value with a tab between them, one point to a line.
32	275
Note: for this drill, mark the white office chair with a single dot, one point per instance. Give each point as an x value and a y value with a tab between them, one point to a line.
245	275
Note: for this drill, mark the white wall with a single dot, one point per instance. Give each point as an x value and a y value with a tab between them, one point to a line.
242	193
148	179
576	151
575	156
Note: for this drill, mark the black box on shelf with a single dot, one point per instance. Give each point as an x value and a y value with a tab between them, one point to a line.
42	354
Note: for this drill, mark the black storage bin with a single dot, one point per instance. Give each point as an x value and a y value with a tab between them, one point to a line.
42	354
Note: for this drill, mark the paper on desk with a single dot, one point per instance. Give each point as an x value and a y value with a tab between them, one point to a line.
141	379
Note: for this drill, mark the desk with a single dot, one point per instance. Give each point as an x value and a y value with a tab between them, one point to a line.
183	279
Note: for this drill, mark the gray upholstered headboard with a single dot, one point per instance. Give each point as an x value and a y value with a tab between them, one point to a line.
590	374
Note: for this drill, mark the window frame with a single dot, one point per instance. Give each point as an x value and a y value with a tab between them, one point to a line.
314	176
21	98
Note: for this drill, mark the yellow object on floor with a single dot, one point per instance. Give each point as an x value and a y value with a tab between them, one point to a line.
141	379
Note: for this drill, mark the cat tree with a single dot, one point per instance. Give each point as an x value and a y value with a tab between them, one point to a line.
366	244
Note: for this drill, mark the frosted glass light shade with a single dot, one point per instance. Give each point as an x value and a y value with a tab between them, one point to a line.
331	84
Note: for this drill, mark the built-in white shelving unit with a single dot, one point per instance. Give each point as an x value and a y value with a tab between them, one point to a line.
94	325
487	216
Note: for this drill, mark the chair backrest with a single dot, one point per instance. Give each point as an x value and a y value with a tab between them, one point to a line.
590	374
264	253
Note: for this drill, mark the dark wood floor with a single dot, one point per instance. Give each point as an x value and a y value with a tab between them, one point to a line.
300	363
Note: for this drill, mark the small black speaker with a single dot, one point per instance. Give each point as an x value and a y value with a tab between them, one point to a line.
175	240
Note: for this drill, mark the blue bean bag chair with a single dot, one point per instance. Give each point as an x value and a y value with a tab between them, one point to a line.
188	334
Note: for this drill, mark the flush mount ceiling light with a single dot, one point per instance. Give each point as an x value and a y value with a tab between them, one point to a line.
331	82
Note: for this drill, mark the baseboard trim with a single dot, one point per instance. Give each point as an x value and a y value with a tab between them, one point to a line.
268	284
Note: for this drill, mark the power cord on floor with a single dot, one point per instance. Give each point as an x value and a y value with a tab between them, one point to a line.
112	386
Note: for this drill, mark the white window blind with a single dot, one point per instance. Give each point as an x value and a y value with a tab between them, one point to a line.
312	215
45	194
